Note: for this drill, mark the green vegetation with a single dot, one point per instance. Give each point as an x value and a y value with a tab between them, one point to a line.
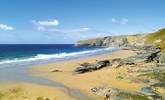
157	38
1	95
130	96
42	98
119	77
160	75
15	90
47	99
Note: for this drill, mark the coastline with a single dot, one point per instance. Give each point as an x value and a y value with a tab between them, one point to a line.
84	82
79	82
63	84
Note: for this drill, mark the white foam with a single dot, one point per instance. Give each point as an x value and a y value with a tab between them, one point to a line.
54	56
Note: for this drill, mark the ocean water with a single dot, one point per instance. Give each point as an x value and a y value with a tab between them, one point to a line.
30	54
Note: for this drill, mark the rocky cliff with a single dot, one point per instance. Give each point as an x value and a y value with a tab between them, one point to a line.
125	41
128	41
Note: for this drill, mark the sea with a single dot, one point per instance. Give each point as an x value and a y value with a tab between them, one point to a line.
17	60
13	55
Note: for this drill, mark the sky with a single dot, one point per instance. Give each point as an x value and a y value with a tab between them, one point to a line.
67	21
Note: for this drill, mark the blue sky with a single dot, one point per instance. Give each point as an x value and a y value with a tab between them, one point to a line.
67	21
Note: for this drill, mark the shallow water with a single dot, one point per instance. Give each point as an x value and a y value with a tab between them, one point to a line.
20	74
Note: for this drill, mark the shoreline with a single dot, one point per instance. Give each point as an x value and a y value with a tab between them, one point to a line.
45	71
84	82
18	73
60	78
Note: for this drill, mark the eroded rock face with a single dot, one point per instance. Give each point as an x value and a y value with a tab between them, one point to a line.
124	41
116	41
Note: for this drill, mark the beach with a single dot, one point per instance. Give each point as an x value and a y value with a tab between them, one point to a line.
29	91
58	80
80	82
84	82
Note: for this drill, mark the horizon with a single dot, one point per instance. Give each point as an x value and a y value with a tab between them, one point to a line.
66	22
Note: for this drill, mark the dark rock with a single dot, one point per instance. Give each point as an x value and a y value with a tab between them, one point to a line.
88	67
86	64
151	48
152	57
102	63
56	70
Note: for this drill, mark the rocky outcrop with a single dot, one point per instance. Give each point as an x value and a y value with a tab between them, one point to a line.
90	42
88	67
145	55
146	93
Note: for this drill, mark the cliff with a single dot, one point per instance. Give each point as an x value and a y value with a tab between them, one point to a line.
115	41
157	38
128	41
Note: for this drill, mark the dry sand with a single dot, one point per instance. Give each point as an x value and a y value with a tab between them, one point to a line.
84	82
28	91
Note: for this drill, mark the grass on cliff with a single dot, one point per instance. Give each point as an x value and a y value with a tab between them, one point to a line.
157	38
160	76
130	96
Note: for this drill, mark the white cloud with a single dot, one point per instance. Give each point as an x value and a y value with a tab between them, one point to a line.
49	25
52	22
122	21
6	27
77	30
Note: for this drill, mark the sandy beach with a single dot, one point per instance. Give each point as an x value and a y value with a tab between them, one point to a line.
72	86
84	82
28	91
82	50
65	76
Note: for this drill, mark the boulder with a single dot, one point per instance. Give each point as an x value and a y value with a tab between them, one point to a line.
88	67
152	57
